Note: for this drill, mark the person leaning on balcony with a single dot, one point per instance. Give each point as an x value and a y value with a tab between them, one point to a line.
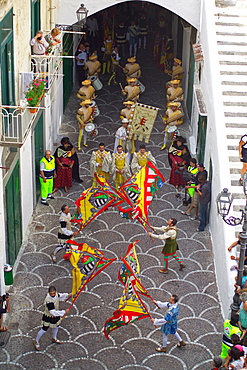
52	39
242	148
47	173
39	46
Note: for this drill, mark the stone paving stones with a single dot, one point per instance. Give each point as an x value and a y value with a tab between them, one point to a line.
131	347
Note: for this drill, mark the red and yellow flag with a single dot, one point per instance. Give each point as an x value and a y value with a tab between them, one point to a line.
131	308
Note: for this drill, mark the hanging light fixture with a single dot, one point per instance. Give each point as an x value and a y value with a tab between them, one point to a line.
81	14
224	201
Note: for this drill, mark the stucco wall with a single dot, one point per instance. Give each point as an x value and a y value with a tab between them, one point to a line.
216	149
189	10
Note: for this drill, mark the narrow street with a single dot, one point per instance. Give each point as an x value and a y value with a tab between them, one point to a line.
131	347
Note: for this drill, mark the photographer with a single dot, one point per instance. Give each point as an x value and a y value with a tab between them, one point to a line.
39	46
4	308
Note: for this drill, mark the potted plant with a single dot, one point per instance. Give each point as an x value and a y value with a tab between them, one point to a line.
35	93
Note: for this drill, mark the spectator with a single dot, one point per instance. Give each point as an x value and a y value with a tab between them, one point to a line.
81	58
204	191
92	30
217	363
52	39
235	359
230	328
64	173
39	46
242	148
4	308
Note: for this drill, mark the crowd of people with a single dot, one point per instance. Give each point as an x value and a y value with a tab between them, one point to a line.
111	48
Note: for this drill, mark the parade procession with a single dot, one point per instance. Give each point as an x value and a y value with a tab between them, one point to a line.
118	267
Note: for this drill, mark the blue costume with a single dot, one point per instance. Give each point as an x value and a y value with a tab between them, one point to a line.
169	323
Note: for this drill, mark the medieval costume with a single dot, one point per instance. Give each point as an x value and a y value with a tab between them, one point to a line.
66	149
86	91
179	156
120	168
132	91
132	69
100	163
140	159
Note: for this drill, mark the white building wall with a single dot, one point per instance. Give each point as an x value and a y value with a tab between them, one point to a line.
2	232
26	181
186	58
216	149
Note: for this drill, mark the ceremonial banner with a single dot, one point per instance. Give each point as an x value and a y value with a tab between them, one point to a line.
93	201
87	263
131	308
138	191
130	264
141	124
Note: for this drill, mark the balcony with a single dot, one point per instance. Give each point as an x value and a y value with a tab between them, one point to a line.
16	121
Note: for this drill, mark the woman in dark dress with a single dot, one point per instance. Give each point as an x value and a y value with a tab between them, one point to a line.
66	149
179	157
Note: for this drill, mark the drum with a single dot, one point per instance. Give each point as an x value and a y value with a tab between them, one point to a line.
172	132
96	111
90	126
97	84
141	86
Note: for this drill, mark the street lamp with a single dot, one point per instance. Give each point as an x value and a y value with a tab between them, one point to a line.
81	14
224	201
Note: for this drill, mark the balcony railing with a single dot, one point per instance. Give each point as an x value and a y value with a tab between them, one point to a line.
16	121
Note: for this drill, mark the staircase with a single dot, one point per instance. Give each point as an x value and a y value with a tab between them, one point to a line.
231	34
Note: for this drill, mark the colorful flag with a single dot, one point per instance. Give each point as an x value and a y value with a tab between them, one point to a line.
131	308
138	192
87	263
130	264
92	202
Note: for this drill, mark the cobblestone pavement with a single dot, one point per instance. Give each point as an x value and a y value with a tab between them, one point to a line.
131	347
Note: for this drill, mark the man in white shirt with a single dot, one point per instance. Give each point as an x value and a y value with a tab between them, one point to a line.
52	316
81	58
39	46
64	232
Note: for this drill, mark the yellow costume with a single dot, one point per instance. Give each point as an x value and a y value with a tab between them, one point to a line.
174	93
120	163
140	160
132	69
93	67
103	159
132	92
86	91
84	115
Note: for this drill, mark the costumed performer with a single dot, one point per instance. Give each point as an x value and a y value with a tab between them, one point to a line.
132	69
86	91
65	232
132	91
174	93
92	66
121	135
177	72
84	116
171	246
100	163
179	157
141	158
66	149
52	316
173	117
169	323
120	170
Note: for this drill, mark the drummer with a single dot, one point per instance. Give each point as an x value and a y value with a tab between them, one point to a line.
132	69
177	72
132	91
126	112
92	66
84	116
174	93
86	91
172	119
